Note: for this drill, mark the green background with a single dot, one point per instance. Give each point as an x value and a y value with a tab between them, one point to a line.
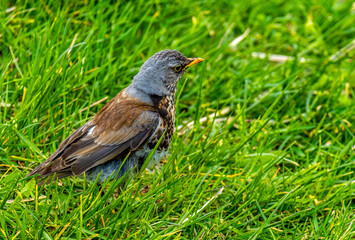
264	146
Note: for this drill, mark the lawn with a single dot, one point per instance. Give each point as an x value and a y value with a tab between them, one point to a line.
264	146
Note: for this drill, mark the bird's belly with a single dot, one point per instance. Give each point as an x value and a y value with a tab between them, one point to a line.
115	168
134	163
158	155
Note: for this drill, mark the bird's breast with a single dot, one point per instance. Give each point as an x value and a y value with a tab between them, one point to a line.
165	106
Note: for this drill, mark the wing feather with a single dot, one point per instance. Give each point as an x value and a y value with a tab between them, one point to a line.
105	137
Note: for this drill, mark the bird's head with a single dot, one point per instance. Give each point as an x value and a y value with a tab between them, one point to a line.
160	74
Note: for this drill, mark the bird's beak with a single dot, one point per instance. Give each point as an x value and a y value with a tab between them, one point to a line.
193	62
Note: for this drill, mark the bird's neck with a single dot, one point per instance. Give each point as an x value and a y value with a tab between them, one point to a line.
165	105
157	100
151	98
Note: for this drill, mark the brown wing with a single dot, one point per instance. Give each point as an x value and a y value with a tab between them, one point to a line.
122	124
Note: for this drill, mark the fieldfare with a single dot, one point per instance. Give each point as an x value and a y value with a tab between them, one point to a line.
130	124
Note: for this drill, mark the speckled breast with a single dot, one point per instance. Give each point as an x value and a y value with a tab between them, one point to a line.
166	108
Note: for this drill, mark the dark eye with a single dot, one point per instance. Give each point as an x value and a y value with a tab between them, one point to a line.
178	68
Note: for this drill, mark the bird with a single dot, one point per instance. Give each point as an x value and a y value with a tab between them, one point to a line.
121	135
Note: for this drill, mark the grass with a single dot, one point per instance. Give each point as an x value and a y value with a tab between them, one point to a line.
264	147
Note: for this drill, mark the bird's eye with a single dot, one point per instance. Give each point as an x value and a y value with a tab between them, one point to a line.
178	68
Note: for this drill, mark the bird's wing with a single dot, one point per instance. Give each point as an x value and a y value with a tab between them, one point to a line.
123	124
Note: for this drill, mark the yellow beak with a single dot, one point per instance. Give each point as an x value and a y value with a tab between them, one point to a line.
193	62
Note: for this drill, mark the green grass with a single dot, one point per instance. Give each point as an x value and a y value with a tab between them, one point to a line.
270	154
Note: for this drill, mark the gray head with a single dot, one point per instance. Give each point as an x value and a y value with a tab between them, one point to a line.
160	74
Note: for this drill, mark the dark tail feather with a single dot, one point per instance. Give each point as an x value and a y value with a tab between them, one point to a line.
45	173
